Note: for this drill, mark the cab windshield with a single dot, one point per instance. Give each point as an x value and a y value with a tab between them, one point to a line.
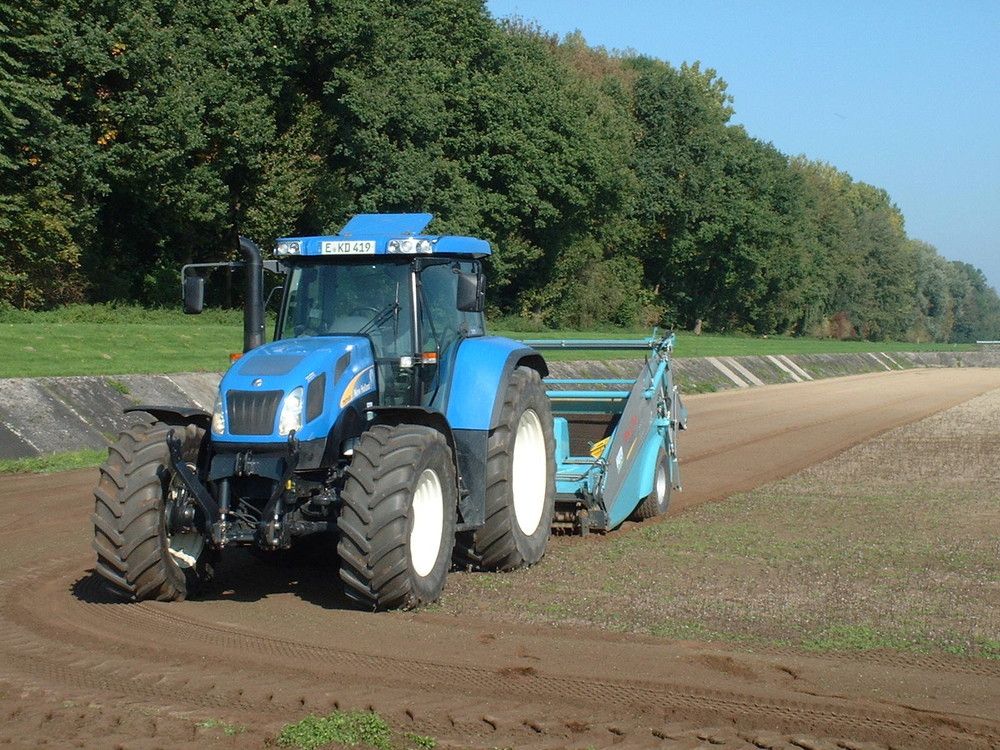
373	299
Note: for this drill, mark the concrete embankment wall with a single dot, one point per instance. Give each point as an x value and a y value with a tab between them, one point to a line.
707	374
51	415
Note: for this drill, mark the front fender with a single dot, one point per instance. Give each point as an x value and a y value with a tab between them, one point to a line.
176	416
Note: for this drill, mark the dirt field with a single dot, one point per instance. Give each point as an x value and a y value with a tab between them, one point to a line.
487	668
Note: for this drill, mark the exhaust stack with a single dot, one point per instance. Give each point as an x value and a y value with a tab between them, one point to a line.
253	305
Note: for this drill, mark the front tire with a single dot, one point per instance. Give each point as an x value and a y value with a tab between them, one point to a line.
520	477
135	553
397	517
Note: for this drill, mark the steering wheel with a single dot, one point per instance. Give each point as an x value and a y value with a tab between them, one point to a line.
369	310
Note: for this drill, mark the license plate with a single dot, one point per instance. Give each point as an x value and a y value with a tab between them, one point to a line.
347	247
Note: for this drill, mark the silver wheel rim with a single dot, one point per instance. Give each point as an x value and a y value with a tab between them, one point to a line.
428	523
529	472
186	548
661	486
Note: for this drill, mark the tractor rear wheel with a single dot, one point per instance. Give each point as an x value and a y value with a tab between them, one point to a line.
656	502
137	554
520	477
397	517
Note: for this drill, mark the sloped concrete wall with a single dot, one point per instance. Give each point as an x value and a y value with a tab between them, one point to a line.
51	415
708	374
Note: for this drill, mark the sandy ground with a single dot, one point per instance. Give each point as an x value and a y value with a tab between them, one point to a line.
270	645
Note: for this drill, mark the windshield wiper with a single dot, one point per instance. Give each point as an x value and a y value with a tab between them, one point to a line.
390	311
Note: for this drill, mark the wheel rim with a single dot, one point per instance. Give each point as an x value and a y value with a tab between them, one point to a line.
661	486
186	548
428	522
529	472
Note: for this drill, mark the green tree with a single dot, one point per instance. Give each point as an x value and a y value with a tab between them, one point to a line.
186	104
977	307
39	224
934	314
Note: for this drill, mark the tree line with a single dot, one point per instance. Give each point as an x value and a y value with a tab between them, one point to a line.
140	135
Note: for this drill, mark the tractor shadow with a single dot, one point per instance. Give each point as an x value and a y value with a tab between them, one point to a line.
243	575
246	575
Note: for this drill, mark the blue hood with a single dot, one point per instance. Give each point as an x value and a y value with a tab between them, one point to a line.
256	386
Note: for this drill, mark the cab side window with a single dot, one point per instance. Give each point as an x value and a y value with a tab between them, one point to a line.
441	321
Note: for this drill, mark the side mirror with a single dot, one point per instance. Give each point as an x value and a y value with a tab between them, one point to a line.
194	295
471	292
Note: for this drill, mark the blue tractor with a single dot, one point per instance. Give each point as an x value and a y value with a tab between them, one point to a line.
384	420
381	412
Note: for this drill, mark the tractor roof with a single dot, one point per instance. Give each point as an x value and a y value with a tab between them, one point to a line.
384	234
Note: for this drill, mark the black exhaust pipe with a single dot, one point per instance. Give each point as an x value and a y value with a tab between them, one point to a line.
253	305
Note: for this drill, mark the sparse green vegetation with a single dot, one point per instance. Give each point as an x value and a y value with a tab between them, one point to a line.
862	638
419	740
118	386
989	648
345	727
353	729
884	547
81	459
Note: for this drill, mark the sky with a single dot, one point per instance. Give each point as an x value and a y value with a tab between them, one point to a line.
902	95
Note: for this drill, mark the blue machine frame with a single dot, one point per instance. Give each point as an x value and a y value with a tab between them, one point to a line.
606	487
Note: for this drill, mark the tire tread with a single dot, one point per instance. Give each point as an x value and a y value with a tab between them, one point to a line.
373	518
127	508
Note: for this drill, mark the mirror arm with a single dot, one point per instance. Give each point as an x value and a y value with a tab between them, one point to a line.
186	266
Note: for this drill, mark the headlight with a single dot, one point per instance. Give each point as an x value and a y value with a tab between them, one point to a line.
360	384
291	412
287	248
409	246
218	417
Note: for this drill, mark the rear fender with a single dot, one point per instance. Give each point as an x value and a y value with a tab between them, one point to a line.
482	367
472	406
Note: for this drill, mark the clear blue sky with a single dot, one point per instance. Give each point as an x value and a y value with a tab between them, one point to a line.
902	95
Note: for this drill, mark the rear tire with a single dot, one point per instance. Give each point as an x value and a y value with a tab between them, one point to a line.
135	554
397	517
657	502
520	478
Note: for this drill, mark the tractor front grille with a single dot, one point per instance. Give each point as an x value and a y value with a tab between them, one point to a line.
252	412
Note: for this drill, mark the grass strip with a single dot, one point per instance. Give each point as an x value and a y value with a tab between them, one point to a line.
173	343
81	459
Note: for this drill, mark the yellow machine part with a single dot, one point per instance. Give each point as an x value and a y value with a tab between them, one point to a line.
598	448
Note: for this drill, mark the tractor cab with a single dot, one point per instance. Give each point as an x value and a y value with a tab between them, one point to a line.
371	318
413	301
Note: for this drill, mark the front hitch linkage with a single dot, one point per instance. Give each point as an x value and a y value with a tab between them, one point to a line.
189	479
